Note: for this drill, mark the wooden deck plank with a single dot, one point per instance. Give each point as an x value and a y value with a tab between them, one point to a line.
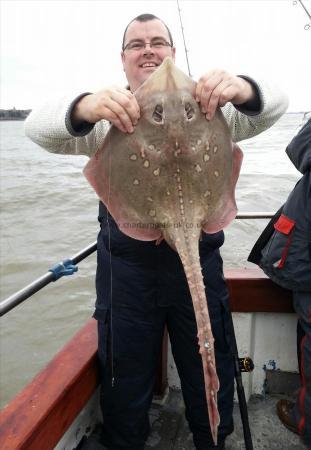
266	428
166	422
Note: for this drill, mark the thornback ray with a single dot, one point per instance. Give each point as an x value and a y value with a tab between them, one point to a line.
173	177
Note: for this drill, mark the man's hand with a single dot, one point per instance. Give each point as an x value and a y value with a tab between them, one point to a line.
117	105
218	87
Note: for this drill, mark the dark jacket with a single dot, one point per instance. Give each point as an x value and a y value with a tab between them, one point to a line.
283	250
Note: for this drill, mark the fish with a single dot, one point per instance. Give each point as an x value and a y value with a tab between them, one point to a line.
171	179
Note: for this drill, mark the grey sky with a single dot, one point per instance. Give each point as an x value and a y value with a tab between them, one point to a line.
52	48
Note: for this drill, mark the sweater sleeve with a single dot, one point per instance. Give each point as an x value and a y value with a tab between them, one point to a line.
245	124
49	127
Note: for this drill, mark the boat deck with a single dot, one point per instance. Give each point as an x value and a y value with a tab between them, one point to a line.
170	430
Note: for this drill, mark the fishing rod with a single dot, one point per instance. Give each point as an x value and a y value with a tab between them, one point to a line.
183	35
308	25
65	268
240	364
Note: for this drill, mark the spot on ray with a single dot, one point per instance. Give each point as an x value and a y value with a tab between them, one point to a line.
215	149
216	173
146	163
198	168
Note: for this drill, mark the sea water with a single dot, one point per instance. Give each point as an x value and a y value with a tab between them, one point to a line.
49	213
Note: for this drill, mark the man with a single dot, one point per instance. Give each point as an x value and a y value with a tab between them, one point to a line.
141	286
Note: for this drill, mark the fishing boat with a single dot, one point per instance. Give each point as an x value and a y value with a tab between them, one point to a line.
59	408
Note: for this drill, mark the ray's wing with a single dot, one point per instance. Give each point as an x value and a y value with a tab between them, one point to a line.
120	174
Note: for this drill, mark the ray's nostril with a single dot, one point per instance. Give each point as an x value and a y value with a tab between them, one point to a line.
158	114
189	111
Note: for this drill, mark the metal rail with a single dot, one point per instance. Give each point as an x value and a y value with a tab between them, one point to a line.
254	215
22	295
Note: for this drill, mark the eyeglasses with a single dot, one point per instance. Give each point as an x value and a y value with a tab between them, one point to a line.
139	45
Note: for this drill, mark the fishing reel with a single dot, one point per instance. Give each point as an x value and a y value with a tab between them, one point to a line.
246	364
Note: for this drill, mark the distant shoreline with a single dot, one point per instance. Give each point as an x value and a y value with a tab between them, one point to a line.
21	114
11	119
14	114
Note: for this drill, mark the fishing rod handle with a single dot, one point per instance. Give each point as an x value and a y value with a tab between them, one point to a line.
246	364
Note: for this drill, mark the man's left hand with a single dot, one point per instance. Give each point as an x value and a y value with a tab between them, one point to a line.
217	87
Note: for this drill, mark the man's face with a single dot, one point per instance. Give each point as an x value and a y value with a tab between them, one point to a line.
139	64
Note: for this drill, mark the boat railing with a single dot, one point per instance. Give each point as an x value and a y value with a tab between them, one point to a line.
69	266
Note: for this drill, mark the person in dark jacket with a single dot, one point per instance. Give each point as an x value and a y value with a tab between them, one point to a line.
283	251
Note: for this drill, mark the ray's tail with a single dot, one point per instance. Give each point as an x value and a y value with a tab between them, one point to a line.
189	254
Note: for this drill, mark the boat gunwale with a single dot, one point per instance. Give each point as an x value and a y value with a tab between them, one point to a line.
53	399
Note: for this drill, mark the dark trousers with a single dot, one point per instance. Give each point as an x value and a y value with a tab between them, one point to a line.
130	331
302	408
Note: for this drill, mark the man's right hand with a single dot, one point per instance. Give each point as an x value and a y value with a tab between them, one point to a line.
117	105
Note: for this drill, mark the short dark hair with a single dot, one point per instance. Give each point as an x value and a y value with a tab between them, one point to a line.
146	18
